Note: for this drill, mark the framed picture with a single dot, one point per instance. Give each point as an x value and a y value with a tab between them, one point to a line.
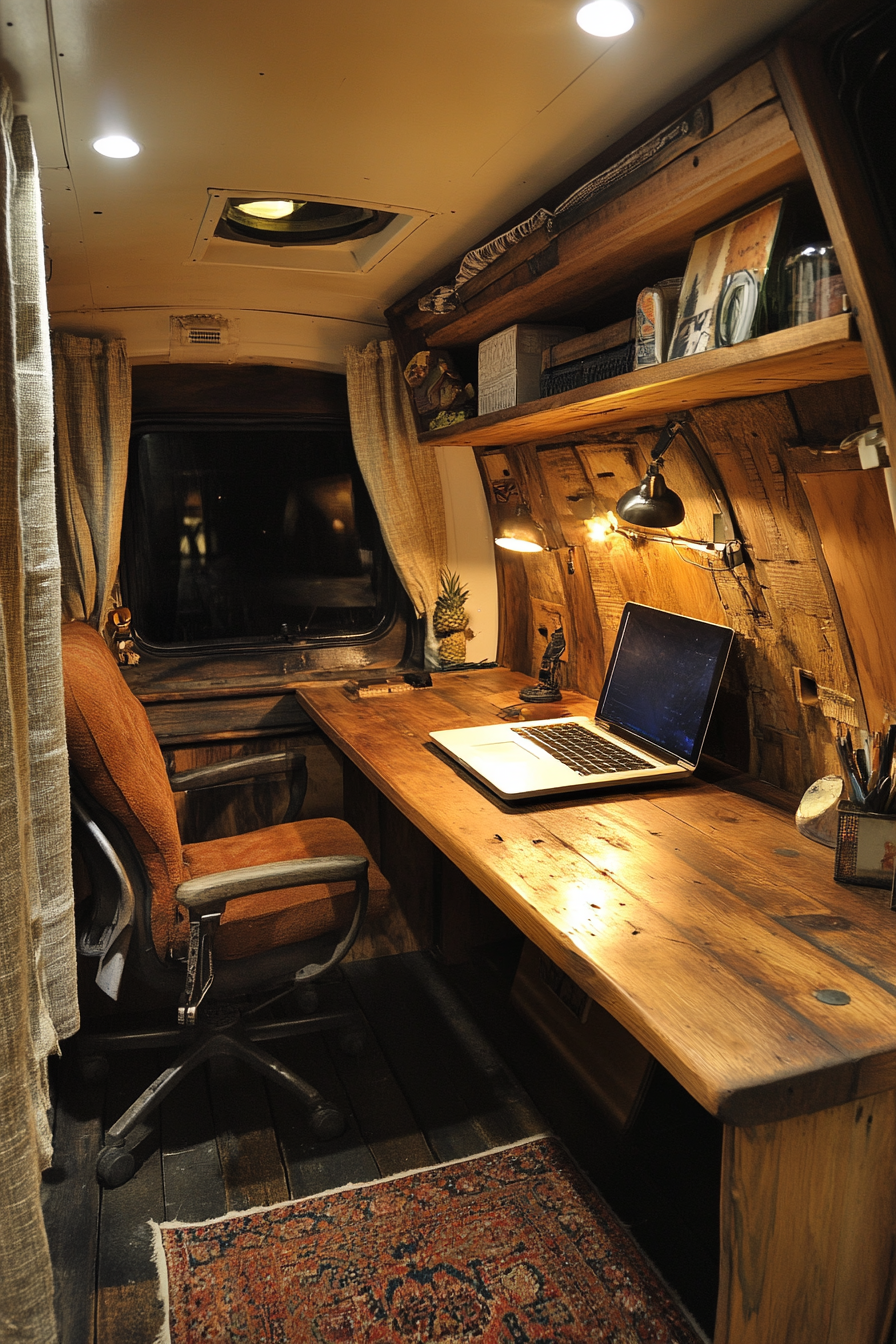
866	847
723	281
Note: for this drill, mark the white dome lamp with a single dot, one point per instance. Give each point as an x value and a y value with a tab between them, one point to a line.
606	18
116	146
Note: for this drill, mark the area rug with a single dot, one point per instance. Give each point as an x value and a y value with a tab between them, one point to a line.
513	1245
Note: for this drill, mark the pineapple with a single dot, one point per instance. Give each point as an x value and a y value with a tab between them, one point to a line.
449	619
453	649
449	614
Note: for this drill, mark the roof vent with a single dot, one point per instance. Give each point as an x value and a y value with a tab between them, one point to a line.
287	231
200	337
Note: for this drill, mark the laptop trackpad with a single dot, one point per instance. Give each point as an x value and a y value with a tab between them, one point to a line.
509	765
503	753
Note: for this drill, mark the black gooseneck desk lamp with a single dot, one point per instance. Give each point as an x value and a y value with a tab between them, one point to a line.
652	504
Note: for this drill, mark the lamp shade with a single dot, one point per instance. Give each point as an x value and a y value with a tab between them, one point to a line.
520	532
652	503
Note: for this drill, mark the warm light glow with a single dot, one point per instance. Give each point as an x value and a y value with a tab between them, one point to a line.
267	209
514	544
116	147
600	529
605	18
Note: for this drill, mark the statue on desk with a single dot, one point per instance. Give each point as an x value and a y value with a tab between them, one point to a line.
547	688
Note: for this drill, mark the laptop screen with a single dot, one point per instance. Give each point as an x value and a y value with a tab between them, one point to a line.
663	678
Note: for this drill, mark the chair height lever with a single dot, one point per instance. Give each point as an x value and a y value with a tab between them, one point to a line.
200	967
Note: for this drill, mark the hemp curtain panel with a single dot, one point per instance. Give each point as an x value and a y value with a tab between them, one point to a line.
38	1001
401	476
92	386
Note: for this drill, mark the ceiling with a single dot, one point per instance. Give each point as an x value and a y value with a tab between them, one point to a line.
454	114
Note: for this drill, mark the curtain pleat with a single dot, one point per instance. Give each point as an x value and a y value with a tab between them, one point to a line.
401	476
92	382
38	1003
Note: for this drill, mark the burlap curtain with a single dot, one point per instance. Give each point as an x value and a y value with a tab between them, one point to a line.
92	380
38	1004
401	476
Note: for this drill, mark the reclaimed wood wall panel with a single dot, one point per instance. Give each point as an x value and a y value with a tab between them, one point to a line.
852	512
783	603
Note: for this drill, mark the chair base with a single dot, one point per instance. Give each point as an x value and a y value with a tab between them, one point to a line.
232	1037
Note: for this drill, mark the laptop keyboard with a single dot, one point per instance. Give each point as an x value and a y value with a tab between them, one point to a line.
584	752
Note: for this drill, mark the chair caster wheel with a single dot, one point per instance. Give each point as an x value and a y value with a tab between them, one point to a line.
308	1000
115	1167
93	1068
352	1040
327	1122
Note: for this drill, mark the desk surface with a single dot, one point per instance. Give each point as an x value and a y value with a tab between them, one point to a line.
700	918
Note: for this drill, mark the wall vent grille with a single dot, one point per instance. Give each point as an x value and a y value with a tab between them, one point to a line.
200	337
204	336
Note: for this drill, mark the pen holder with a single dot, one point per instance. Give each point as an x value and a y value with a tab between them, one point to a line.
866	846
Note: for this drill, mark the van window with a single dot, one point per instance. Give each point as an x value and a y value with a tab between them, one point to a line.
251	534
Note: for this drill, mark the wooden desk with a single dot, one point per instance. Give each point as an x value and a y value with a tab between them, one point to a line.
706	925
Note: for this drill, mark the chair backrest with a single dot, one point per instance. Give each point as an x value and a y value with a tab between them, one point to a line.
115	754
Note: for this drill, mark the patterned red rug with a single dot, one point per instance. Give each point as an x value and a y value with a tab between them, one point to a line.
514	1245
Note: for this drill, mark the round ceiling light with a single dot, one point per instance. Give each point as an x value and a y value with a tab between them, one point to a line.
267	209
606	18
116	146
295	223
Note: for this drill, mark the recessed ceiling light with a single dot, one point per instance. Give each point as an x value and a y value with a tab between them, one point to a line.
267	209
116	146
606	18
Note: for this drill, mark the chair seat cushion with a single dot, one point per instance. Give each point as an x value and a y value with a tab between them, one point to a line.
271	919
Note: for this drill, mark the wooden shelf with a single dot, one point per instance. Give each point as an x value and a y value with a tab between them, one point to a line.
818	352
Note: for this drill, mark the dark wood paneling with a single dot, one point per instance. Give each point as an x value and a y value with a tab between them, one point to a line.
236	389
208	814
185	721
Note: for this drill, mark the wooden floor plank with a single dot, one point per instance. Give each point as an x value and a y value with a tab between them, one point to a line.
247	1146
312	1166
191	1167
71	1200
464	1099
385	1119
128	1307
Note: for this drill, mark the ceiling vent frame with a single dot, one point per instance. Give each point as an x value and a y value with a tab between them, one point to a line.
348	256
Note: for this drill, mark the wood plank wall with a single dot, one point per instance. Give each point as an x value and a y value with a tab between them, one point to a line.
788	610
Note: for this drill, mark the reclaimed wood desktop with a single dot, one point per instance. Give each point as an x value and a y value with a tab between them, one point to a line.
702	920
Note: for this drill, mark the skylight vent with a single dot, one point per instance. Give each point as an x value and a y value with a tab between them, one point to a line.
300	233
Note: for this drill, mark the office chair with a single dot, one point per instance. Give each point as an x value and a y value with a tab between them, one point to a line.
205	924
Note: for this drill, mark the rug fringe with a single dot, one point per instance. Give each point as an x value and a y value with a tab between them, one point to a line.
158	1257
352	1185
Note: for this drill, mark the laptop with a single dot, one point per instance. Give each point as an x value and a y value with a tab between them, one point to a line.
650	725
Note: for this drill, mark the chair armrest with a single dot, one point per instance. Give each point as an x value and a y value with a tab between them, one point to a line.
236	770
219	888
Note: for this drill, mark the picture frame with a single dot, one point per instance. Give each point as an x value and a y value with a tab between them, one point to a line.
866	846
724	280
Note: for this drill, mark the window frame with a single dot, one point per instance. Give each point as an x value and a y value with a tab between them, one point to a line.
396	603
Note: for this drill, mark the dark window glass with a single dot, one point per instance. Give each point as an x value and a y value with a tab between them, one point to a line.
242	535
